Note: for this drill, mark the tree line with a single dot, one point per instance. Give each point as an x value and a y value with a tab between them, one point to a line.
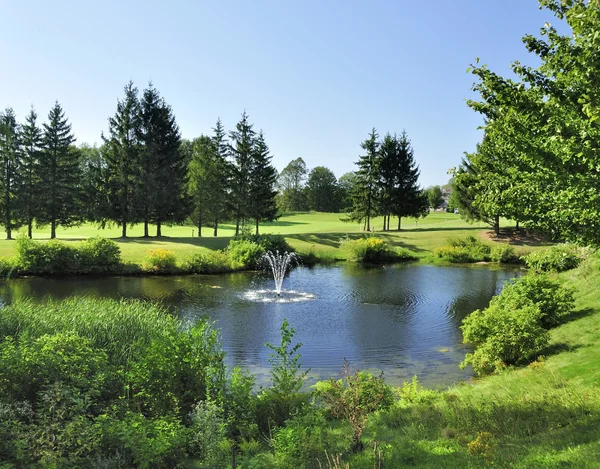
144	172
386	182
539	160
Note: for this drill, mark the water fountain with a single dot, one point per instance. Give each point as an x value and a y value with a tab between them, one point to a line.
279	265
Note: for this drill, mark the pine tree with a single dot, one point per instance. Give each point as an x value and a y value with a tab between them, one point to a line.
200	184
59	165
263	177
364	197
162	196
32	143
389	177
122	160
241	151
10	154
222	174
408	199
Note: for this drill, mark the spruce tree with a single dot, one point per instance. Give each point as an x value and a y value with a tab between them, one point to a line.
60	194
263	177
364	198
408	199
221	176
122	152
162	197
200	172
241	149
389	177
32	143
10	154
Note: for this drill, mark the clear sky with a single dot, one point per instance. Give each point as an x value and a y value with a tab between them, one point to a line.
315	75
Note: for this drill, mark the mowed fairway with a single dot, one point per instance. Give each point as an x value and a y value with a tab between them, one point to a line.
306	231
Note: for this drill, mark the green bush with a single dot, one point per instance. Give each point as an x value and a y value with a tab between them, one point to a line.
513	329
354	398
160	261
503	334
244	254
504	253
95	255
304	440
555	259
99	255
269	242
207	262
463	250
368	249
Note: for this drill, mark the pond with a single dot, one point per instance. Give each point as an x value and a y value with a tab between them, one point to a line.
402	319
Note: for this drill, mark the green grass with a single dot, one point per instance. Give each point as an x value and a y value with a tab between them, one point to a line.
545	415
305	232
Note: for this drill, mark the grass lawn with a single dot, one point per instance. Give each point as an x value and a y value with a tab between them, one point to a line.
320	232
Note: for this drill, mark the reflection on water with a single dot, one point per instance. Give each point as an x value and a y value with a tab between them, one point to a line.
402	319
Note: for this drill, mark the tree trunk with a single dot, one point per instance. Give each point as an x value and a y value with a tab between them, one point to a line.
399	223
237	225
497	224
257	227
123	229
146	235
158	229
53	229
215	228
30	229
8	232
199	229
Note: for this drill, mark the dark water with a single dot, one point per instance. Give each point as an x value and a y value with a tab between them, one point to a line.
402	319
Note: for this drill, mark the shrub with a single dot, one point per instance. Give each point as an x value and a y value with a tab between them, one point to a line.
503	253
207	262
513	329
244	254
554	300
503	334
304	441
99	255
555	259
53	257
269	242
463	250
208	432
160	261
354	397
95	255
7	267
368	249
143	442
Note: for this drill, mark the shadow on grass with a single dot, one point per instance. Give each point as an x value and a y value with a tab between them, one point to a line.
577	314
205	242
334	240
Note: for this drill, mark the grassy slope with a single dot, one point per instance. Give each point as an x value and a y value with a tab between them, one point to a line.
542	416
320	232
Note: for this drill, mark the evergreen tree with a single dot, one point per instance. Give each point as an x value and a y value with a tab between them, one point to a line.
10	159
241	149
200	180
389	177
408	198
263	177
122	160
93	183
60	193
32	143
221	177
163	170
364	197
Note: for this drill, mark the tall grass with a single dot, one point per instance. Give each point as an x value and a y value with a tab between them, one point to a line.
115	326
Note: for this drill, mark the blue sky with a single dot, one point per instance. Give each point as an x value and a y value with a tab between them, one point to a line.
316	76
